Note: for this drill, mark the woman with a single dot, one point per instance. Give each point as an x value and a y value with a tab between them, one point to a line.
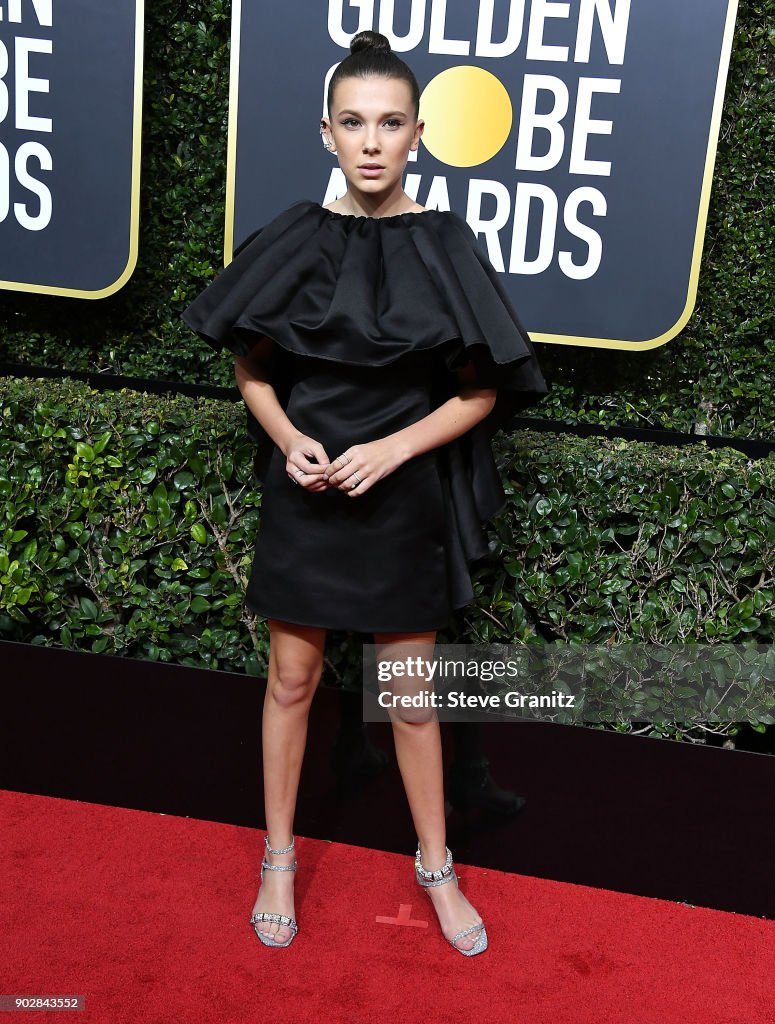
376	355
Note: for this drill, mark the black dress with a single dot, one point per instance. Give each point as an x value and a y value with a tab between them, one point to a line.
370	319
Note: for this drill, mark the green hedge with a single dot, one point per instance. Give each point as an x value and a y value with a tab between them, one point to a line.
715	374
129	519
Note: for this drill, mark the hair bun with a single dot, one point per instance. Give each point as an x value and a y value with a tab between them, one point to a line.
367	38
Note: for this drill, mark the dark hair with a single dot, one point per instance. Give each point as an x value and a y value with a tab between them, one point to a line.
372	56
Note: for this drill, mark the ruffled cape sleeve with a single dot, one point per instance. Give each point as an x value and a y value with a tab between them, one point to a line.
365	291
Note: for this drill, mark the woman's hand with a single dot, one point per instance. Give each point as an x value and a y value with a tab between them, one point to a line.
358	468
300	468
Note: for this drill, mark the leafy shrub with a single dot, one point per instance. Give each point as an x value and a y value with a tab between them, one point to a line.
129	520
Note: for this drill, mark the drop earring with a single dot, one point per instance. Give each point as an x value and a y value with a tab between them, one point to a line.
326	143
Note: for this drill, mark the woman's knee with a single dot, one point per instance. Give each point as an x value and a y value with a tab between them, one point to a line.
411	720
293	683
295	662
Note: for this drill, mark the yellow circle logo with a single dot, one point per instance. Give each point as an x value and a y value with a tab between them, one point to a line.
468	116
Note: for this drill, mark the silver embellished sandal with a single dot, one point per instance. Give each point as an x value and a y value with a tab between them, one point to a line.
282	919
429	879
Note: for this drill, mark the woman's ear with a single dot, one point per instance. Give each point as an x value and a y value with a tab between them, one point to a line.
327	137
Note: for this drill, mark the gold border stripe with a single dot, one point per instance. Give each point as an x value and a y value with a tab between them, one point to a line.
231	145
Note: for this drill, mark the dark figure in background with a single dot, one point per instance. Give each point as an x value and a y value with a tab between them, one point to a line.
470	788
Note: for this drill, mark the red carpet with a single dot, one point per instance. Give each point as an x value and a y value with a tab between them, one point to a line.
147	916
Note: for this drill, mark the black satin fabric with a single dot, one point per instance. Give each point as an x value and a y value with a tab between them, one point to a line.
370	318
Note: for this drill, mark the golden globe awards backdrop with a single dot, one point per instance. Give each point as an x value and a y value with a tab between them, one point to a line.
578	140
70	109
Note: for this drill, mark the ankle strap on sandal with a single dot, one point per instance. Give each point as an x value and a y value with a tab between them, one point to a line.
438	877
287	848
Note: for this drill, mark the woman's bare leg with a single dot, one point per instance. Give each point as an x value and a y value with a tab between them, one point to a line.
295	667
419	756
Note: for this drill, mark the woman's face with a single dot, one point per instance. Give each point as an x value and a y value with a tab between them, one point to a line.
373	123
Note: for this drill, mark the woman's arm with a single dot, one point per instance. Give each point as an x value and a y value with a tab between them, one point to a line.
252	375
457	415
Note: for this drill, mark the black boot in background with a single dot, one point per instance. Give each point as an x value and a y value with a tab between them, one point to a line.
471	788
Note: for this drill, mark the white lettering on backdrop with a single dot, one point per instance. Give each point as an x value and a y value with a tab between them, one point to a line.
21	67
